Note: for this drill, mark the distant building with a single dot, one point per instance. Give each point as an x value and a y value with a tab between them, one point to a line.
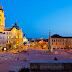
58	41
25	40
14	35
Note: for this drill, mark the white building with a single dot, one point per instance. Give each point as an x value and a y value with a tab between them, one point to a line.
2	40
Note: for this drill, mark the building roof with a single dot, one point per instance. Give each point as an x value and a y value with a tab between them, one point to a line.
58	36
7	29
16	26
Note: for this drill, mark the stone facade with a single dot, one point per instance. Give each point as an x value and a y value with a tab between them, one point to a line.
61	42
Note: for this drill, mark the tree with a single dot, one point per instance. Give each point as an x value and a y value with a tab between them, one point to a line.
42	43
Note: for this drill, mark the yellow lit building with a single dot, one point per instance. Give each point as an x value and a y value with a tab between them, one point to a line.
14	35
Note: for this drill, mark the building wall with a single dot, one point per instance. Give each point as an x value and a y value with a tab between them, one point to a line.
2	40
61	42
14	37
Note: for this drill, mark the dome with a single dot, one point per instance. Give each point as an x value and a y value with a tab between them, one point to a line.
16	26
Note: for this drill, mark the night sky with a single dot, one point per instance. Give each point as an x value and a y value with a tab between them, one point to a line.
36	17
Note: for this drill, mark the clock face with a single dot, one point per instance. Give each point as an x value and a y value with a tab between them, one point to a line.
0	11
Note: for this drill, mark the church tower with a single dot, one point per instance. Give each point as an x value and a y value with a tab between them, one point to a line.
2	19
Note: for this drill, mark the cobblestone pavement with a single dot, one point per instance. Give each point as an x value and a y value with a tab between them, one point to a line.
6	64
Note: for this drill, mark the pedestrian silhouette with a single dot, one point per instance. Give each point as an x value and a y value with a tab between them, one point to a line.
55	58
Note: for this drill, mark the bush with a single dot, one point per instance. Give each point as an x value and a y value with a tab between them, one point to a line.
18	50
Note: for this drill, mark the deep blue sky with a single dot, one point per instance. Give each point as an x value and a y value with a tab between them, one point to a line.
36	17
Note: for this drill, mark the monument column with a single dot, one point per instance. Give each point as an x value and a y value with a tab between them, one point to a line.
49	43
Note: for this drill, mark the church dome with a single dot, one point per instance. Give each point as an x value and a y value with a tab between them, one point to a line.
16	26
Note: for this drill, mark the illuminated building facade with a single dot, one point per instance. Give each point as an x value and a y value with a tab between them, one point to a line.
14	35
59	42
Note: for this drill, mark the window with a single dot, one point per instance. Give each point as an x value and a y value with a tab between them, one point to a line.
9	36
0	15
56	43
63	40
14	37
52	43
58	40
54	40
0	20
56	47
7	41
7	33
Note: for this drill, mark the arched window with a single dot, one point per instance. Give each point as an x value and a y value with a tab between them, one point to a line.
54	40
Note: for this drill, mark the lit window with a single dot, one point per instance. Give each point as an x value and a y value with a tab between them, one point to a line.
14	37
9	36
7	41
7	33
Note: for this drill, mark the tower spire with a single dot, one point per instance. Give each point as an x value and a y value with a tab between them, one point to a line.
16	22
1	6
24	35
